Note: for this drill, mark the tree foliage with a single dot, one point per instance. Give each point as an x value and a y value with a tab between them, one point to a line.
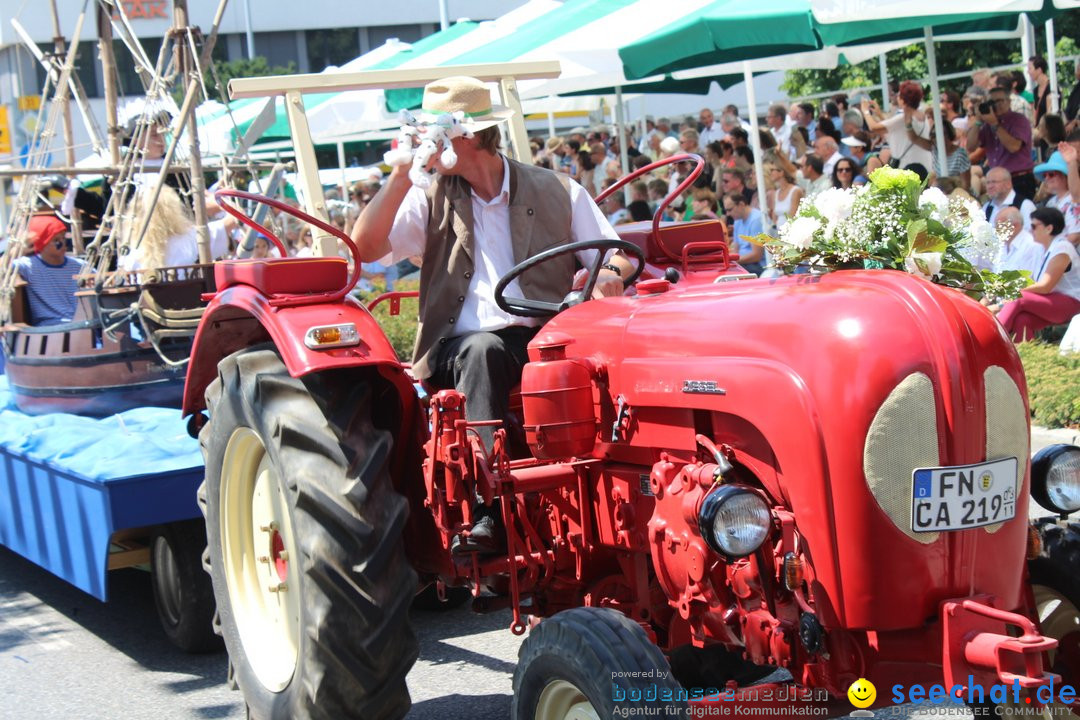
244	68
910	62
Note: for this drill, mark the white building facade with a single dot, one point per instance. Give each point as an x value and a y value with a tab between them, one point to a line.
304	35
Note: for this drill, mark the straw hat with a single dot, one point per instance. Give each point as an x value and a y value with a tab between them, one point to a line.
464	94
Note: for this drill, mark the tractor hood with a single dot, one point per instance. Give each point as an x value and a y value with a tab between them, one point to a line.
833	390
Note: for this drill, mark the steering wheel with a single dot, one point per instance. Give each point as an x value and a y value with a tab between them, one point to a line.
542	308
694	174
303	217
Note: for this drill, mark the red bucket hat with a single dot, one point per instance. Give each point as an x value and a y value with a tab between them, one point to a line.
42	229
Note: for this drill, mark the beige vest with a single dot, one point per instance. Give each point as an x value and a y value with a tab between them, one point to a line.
540	217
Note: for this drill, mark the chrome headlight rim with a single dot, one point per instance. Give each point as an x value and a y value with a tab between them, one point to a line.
1042	490
710	508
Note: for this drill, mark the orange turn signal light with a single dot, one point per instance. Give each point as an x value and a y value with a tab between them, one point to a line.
331	336
1034	543
793	572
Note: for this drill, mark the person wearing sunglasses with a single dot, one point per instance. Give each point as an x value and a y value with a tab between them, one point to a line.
49	272
1060	178
844	173
1054	297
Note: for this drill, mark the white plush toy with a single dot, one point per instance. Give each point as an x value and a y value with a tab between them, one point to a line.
418	143
407	140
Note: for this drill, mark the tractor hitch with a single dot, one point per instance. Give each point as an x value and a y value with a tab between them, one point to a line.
978	647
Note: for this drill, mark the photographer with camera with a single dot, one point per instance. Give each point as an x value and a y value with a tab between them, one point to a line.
1005	136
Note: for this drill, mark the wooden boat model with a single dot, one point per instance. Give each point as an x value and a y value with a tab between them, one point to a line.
126	347
129	341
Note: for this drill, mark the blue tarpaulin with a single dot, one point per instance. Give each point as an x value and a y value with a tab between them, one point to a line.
142	441
67	483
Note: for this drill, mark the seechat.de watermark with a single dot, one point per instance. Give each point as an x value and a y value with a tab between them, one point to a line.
998	699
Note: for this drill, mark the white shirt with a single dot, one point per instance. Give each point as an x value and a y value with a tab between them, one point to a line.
183	249
1069	284
783	139
1069	209
1026	208
901	146
1022	253
830	164
494	253
710	134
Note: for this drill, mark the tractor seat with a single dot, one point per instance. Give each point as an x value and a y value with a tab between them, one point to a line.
674	235
284	276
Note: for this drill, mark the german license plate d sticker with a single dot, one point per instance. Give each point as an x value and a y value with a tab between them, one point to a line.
968	496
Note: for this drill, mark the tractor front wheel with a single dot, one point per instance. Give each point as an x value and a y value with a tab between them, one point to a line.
305	544
1055	583
592	664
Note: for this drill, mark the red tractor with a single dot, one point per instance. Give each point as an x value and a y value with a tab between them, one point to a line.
725	476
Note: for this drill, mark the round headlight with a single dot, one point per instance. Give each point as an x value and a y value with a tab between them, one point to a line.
734	521
1055	478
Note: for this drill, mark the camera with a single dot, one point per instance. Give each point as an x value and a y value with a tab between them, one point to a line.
985	108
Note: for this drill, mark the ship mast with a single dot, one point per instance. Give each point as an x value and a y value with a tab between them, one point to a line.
189	68
108	71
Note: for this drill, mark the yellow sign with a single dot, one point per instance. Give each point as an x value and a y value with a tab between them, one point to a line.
29	102
5	132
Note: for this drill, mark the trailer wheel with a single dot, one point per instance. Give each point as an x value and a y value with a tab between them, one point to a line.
305	537
587	664
183	594
1055	583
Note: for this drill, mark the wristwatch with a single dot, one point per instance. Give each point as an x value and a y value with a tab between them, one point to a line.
613	268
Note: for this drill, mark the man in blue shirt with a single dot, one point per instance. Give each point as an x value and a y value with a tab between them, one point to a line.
49	273
747	221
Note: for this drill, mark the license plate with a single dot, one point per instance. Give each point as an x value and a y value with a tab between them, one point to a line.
967	496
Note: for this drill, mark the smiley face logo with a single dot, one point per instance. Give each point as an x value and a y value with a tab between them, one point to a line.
862	693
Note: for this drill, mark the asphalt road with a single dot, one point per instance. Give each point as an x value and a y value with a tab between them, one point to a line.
64	655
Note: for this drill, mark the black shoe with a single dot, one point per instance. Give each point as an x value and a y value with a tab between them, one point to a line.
487	537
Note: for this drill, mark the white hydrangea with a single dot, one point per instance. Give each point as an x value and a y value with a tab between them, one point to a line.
834	204
924	265
936	199
982	248
800	231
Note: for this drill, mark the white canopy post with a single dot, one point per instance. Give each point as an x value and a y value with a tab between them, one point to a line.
755	144
1051	60
1027	43
551	123
935	102
620	130
884	69
341	165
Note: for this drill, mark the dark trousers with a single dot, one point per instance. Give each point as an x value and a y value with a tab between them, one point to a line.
484	367
1025	185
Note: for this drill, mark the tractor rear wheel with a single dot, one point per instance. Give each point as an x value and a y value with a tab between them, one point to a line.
182	592
1055	583
592	664
305	544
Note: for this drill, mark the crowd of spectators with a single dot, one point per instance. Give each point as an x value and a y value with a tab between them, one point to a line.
1004	146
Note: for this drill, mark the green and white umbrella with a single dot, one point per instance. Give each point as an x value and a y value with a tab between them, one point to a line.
223	130
493	32
733	30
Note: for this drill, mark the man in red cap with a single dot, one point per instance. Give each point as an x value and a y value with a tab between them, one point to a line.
49	272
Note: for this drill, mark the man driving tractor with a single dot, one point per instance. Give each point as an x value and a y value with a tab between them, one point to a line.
473	223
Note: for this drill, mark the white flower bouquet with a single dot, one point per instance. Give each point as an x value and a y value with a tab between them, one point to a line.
894	223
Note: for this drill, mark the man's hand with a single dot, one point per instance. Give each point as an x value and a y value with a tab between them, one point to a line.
1068	152
608	284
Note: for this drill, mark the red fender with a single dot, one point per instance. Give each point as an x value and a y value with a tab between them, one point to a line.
241	316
